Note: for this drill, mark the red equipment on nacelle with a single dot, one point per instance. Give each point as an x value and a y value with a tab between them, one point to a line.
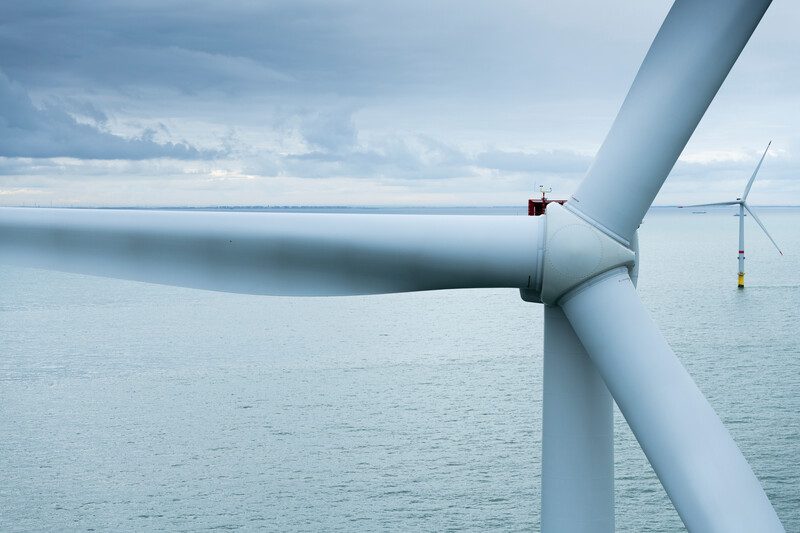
536	206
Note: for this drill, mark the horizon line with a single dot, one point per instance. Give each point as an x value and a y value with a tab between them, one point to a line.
338	206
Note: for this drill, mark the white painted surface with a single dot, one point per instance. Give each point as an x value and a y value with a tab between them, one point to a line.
577	436
701	468
275	253
689	59
576	251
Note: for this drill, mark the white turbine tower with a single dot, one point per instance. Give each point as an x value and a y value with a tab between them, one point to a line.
579	259
743	205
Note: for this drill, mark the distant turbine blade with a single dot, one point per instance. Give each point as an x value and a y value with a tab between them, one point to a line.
711	204
699	465
758	221
689	59
753	177
277	253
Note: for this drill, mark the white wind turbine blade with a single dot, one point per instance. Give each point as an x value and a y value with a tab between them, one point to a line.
699	465
689	59
758	221
753	177
276	253
577	435
712	204
701	468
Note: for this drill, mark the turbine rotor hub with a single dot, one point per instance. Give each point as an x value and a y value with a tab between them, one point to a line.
575	251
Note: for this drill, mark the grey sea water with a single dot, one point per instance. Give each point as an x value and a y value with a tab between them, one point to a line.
127	406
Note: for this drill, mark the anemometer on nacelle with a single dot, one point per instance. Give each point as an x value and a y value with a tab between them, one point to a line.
536	206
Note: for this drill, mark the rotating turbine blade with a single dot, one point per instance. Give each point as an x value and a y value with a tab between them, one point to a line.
711	204
276	253
699	465
694	456
577	435
685	66
758	221
753	177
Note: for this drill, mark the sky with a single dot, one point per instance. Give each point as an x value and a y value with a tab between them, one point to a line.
298	102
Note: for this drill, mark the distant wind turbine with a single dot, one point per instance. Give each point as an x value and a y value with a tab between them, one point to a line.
742	203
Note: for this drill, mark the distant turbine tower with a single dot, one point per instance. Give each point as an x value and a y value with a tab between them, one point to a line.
742	203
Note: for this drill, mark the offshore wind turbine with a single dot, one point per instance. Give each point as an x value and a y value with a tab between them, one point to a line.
579	260
743	205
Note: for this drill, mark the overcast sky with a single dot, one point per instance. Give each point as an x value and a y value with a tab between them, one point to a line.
142	102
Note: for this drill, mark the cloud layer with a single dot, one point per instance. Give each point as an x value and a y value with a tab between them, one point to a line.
314	102
49	131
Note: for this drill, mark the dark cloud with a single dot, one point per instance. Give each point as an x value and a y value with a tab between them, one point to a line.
414	158
336	150
329	131
385	92
81	108
29	131
288	47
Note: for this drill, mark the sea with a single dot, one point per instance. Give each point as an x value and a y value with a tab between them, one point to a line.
127	406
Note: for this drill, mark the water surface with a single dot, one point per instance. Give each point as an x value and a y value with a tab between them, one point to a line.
128	406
